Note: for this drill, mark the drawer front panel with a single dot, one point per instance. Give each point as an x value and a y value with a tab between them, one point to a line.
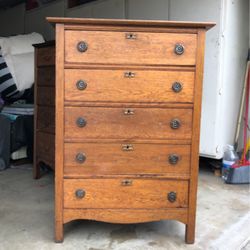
125	193
127	123
129	85
46	119
125	158
45	76
45	56
118	48
46	96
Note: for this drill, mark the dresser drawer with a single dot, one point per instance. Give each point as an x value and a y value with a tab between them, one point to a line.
45	56
45	76
130	48
129	85
45	96
125	193
127	123
127	158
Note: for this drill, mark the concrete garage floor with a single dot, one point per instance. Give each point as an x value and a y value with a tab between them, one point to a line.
26	219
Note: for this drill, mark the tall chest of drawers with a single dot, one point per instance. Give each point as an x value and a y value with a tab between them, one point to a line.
128	100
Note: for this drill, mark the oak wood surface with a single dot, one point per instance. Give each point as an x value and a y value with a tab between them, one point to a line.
151	48
45	145
145	123
126	216
142	159
111	193
46	96
113	85
190	227
46	119
43	96
59	116
46	56
126	186
123	22
46	75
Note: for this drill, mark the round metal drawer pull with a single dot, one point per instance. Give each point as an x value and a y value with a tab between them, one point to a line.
172	196
175	123
80	193
179	49
177	87
81	122
81	85
82	46
173	159
80	157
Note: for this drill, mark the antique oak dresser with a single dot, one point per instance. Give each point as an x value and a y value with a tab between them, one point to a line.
127	120
44	93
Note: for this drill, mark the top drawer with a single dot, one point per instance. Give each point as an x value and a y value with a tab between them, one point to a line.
99	47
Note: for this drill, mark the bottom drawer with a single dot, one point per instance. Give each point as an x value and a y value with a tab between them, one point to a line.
125	193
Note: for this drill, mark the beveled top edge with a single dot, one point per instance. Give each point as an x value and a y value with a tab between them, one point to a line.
124	22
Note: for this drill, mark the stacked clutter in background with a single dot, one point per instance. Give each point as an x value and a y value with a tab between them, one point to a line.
237	171
19	122
17	111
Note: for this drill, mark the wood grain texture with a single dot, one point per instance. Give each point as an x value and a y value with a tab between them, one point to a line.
46	56
46	147
114	86
59	160
126	216
143	159
126	186
46	119
146	123
150	48
123	22
190	227
46	75
46	96
110	193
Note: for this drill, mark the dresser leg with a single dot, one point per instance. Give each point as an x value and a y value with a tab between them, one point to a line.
59	232
36	170
190	234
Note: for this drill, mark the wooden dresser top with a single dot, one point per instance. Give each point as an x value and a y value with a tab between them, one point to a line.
126	22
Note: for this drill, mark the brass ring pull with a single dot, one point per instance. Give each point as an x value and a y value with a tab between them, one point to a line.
82	46
80	193
80	157
179	49
81	85
81	122
129	112
177	87
172	196
173	159
126	182
175	123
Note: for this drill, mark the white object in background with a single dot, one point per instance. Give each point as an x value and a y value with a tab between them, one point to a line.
225	63
19	154
20	44
18	52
